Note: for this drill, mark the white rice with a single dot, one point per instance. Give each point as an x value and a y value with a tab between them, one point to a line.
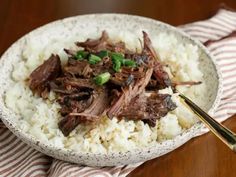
40	117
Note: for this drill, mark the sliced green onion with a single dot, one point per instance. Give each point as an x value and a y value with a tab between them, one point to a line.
116	65
117	56
102	78
93	59
81	55
129	63
103	53
117	60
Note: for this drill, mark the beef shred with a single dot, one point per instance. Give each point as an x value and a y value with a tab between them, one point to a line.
148	108
41	76
131	91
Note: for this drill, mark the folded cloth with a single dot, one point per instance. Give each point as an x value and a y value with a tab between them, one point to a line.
18	159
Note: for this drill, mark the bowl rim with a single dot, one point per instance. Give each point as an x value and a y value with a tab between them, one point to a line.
41	146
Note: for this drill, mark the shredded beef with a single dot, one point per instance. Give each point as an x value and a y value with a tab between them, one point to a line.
158	72
124	95
91	114
78	68
148	108
49	70
77	83
128	93
95	45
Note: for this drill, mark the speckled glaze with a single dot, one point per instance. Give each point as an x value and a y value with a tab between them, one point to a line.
95	23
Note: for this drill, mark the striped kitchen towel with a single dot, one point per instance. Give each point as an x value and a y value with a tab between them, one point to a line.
217	33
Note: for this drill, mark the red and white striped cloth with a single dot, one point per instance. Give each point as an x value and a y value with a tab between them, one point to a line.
18	159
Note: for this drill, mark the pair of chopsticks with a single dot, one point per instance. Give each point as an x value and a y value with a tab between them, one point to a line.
223	133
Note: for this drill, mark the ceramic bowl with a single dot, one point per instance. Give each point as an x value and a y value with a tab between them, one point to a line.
94	24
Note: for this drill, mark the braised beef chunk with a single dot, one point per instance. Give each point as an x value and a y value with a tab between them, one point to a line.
71	53
158	72
78	68
99	105
104	78
77	83
148	108
127	76
136	110
161	75
68	124
91	114
119	47
95	45
158	105
46	72
128	93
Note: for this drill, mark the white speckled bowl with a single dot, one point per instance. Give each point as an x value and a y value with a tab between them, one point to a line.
94	24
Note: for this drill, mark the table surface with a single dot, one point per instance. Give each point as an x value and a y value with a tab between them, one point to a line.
204	156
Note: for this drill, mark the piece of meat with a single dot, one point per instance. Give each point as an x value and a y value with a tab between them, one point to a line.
148	50
136	109
78	68
114	95
73	62
67	124
140	59
65	90
91	114
158	72
95	45
159	105
71	85
148	108
136	72
101	67
77	83
74	104
153	84
46	72
75	96
119	79
69	52
118	47
129	93
59	88
154	67
99	105
82	101
161	75
127	76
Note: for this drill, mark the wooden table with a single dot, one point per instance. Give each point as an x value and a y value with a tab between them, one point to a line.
205	156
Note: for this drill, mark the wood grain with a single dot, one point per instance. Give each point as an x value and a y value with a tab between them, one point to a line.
204	156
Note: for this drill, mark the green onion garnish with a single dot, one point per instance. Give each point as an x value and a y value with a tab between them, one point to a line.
93	59
117	56
81	55
129	63
116	65
103	53
102	78
117	60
